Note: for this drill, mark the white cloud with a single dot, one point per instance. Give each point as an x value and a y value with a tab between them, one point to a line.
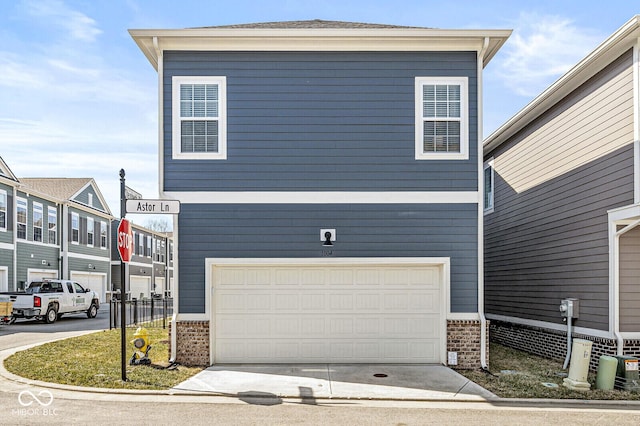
78	25
541	49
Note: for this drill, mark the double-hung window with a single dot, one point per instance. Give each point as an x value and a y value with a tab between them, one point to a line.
199	118
149	245
488	186
442	118
3	210
103	235
52	224
21	218
75	228
37	222
140	245
90	231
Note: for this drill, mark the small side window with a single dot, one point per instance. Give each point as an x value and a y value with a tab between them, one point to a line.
488	187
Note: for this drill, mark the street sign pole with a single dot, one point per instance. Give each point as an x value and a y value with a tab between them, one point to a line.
123	277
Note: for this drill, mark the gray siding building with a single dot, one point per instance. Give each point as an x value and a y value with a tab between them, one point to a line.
562	187
329	180
53	228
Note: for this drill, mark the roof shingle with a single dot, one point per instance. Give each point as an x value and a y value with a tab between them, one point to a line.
311	24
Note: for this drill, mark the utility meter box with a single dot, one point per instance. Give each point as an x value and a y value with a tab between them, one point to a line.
570	307
627	374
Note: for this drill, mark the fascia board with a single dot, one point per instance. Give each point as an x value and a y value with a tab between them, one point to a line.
318	40
614	46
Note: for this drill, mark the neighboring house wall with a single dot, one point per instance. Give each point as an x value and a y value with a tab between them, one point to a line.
7	247
566	212
37	258
146	268
555	180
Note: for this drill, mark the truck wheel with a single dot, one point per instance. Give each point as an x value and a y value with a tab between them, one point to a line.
51	316
92	311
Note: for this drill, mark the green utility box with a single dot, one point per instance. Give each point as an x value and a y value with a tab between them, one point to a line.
627	374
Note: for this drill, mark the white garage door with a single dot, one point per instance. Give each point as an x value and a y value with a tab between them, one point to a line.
140	287
40	274
94	281
327	313
4	279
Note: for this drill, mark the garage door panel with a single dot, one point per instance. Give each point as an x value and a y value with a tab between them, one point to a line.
327	314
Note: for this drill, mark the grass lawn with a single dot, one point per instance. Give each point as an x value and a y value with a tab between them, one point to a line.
94	360
518	374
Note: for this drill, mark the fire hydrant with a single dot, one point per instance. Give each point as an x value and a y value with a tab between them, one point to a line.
141	343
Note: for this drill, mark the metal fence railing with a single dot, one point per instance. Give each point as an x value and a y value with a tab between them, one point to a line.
153	312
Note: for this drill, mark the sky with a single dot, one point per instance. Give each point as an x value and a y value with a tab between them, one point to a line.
79	99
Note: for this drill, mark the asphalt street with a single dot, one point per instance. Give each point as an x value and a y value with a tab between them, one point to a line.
170	410
27	332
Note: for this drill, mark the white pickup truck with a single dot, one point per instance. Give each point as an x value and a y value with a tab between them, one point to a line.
48	300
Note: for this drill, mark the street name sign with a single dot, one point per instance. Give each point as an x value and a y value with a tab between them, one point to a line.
153	206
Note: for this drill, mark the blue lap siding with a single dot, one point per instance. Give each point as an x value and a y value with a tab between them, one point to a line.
323	121
363	230
330	121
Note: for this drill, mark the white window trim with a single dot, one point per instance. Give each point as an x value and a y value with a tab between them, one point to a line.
76	217
37	207
177	154
3	194
20	200
487	164
52	211
103	225
464	119
141	245
149	247
91	230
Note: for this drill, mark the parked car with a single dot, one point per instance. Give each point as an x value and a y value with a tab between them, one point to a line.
48	300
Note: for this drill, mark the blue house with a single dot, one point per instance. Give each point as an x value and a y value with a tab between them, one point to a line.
330	180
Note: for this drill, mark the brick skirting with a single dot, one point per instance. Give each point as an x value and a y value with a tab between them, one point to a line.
192	345
463	337
553	343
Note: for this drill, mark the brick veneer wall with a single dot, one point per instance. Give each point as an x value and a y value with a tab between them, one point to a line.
192	345
553	343
463	337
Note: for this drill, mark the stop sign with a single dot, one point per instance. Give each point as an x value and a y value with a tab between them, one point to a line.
125	240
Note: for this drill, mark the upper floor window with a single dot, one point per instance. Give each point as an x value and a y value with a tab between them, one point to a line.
199	118
442	118
37	222
149	245
90	231
488	186
75	228
103	234
52	223
3	210
21	218
140	245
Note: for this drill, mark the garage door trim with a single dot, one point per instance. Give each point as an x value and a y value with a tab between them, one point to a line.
443	263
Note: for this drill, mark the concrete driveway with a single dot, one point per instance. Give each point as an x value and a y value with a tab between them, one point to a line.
352	381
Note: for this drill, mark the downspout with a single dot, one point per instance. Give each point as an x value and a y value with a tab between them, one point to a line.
174	317
483	319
